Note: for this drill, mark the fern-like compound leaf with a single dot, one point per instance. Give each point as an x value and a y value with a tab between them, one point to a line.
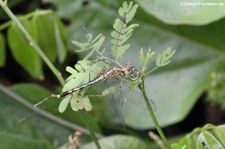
83	72
92	44
164	58
123	31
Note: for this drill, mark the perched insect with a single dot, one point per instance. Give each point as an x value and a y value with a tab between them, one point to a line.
112	73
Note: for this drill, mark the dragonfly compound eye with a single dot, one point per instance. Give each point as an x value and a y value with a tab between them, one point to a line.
129	68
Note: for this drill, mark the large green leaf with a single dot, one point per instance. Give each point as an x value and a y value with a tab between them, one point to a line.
2	51
119	142
15	141
208	136
60	39
23	128
175	88
32	93
23	53
17	119
185	12
47	33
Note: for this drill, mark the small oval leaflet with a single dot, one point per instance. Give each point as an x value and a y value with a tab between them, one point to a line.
63	104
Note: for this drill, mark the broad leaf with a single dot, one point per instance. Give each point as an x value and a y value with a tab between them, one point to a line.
119	142
185	12
208	136
17	141
2	51
63	104
32	93
60	39
44	33
23	53
22	128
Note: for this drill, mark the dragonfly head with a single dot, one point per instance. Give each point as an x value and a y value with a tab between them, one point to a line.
132	73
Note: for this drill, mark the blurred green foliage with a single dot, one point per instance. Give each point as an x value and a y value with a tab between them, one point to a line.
196	34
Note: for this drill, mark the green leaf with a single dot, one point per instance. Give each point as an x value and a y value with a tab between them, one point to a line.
63	104
216	84
93	45
123	31
145	60
82	73
48	31
87	104
15	141
220	132
23	53
24	128
164	58
2	51
119	142
128	11
76	103
60	39
80	102
205	137
185	12
31	92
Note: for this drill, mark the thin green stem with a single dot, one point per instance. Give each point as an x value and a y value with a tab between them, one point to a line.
24	17
159	130
150	71
32	42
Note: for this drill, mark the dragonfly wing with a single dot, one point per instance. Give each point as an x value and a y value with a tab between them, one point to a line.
134	97
116	108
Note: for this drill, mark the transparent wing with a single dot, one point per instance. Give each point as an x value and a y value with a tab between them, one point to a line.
134	97
117	109
124	99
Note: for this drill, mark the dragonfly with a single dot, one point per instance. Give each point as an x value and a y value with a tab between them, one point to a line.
129	71
117	73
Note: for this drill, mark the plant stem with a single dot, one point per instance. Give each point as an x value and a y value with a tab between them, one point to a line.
25	17
32	42
159	130
147	73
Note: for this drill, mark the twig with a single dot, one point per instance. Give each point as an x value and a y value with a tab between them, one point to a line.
159	130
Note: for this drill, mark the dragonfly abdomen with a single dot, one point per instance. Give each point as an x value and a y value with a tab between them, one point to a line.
109	74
